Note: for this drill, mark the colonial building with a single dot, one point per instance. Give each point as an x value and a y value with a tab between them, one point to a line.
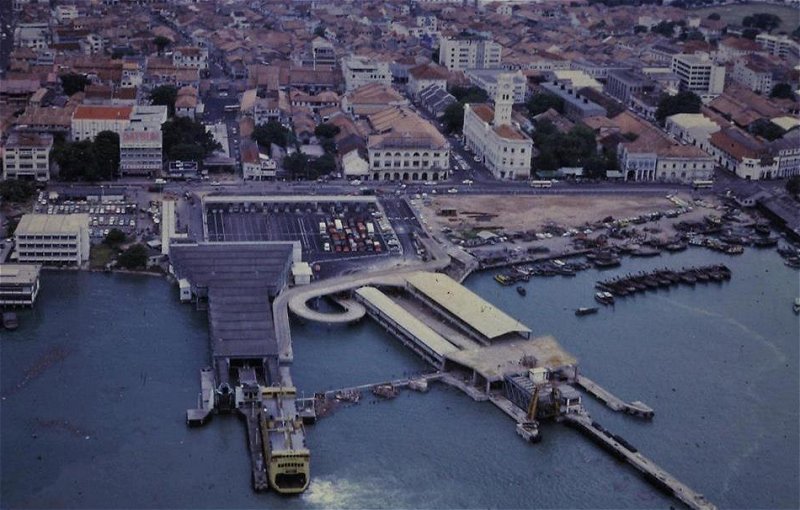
406	147
486	79
489	133
27	156
740	153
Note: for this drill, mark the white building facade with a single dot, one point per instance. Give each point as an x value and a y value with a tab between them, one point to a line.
469	53
61	239
27	156
699	74
358	71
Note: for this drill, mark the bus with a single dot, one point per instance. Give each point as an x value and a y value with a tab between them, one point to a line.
702	184
541	184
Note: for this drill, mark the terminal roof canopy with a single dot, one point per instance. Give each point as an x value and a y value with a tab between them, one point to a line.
467	306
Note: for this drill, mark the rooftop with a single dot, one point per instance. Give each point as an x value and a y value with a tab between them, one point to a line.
24	139
19	274
464	304
90	112
37	224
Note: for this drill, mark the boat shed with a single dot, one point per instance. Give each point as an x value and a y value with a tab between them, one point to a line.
464	309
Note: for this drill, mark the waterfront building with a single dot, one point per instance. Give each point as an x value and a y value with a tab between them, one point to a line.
19	284
406	147
462	53
53	239
699	74
359	70
27	156
499	143
742	154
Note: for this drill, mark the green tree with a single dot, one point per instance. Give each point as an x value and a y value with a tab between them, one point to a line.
783	91
682	102
161	43
469	94
165	95
77	161
13	190
115	237
750	33
326	130
767	130
763	20
793	185
453	118
540	102
665	28
180	132
106	150
73	82
296	164
322	165
269	133
639	29
135	257
320	31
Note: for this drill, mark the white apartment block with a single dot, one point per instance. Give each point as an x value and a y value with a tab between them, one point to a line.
469	53
778	45
27	156
699	74
32	35
64	13
53	239
359	71
89	120
755	73
140	152
19	284
489	133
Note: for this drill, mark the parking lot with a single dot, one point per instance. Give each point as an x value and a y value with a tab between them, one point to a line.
103	216
326	230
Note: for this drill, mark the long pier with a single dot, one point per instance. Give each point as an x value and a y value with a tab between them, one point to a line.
652	472
612	401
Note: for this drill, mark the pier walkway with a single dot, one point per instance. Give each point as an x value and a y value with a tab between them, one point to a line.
612	401
647	467
397	383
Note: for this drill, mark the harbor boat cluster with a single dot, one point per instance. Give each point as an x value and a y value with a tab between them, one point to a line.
661	278
555	267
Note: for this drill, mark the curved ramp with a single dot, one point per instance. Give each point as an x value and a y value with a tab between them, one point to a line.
353	310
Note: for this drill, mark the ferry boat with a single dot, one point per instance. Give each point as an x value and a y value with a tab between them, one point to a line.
283	441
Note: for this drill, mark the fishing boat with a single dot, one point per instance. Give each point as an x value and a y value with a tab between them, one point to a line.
793	262
604	297
584	310
10	321
502	279
521	290
606	262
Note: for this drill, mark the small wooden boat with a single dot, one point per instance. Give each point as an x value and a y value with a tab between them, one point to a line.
521	290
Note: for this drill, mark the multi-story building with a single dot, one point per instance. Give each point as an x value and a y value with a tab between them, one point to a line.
190	57
742	154
89	120
693	128
576	107
320	54
27	156
464	53
187	103
140	152
486	79
733	48
53	239
489	132
699	74
787	152
256	165
424	76
754	72
778	45
406	147
622	85
19	284
358	70
34	35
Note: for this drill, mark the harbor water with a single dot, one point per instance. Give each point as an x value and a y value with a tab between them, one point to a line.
96	381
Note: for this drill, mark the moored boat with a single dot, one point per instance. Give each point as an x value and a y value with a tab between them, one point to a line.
604	297
584	310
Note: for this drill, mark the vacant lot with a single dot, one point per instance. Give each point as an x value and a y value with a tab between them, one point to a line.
518	213
733	14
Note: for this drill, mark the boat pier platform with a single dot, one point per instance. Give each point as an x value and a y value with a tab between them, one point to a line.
206	399
627	452
612	401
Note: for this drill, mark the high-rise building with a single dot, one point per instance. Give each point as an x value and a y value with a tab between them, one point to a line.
469	53
699	74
